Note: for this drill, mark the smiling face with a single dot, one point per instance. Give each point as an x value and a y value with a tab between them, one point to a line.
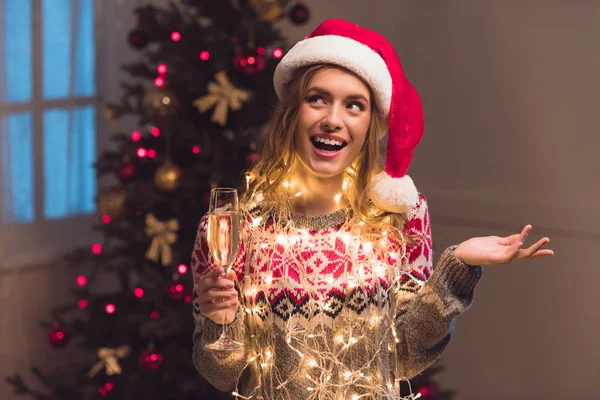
333	121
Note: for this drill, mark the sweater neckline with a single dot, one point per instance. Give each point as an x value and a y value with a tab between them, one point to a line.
319	222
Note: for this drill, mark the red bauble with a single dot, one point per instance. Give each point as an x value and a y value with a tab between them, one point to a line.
137	39
150	359
252	158
176	290
299	14
57	337
428	391
126	171
249	60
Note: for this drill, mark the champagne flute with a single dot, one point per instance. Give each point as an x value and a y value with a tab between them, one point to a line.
223	237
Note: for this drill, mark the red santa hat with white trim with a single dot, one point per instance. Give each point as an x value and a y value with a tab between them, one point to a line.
372	57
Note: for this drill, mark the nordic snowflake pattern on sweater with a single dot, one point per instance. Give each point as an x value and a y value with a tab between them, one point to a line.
330	297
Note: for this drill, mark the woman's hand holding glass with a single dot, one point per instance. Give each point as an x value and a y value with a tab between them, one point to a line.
217	296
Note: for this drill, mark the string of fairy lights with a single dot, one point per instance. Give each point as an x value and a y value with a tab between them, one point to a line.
323	346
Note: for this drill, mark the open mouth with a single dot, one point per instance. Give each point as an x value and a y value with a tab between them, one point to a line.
327	144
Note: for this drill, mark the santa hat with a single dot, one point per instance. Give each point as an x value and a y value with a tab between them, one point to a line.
372	57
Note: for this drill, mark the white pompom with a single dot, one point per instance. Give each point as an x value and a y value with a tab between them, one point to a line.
393	194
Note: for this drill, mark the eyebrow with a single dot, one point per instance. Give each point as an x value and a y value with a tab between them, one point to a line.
327	93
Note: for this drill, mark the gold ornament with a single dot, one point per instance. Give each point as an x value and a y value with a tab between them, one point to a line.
222	95
268	10
109	359
158	102
109	116
168	177
165	235
111	201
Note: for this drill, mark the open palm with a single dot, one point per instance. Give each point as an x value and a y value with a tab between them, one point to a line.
492	250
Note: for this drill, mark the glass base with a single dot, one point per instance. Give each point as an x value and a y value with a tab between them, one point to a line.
224	344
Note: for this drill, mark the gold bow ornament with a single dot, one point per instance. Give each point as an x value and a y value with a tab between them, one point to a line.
109	359
164	235
222	95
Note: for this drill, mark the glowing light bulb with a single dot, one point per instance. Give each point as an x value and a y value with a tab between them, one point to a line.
298	194
162	69
155	132
256	221
138	292
159	82
286	184
281	239
81	280
176	36
151	153
141	152
196	149
337	197
278	53
136	136
110	308
204	55
269	279
97	248
182	268
106	219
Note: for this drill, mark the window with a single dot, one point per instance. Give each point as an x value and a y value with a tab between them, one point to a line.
47	120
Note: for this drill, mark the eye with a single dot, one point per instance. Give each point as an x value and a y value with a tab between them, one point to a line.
356	106
317	99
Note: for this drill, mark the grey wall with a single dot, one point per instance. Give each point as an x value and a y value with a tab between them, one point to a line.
509	90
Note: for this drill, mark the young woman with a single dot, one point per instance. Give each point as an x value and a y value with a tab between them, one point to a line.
334	293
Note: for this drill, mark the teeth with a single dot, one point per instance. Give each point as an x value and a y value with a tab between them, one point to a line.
329	141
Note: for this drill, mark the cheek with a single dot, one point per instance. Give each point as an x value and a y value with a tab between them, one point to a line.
360	130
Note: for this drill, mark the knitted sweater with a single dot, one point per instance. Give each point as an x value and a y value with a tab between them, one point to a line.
325	314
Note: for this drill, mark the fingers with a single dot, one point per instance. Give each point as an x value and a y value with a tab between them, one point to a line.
513	250
535	250
524	233
215	280
209	308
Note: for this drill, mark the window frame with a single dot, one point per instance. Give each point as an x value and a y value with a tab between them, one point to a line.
44	240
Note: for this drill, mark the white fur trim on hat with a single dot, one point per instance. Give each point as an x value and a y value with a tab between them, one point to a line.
342	51
393	194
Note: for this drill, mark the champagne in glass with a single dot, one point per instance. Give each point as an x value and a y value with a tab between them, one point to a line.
223	237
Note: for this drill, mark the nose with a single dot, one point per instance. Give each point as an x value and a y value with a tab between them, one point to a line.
332	119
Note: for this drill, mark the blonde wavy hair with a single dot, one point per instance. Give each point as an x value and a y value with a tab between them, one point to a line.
267	181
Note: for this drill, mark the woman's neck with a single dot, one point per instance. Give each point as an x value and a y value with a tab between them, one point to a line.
318	195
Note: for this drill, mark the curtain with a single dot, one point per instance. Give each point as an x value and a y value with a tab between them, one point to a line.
47	109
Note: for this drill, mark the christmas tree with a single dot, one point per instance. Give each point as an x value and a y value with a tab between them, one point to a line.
200	93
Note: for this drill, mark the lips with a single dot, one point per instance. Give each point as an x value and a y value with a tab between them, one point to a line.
328	144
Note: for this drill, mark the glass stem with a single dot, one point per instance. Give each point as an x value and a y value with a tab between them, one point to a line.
225	333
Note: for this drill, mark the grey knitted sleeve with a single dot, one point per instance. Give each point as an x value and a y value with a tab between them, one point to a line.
425	322
222	369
